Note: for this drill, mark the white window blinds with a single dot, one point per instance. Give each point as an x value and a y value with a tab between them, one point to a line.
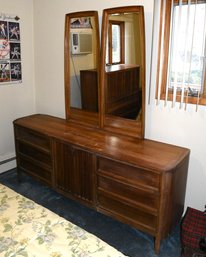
185	73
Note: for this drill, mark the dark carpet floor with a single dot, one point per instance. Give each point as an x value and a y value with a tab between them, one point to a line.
126	239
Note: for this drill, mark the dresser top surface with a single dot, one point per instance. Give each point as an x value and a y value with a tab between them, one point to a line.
143	153
120	67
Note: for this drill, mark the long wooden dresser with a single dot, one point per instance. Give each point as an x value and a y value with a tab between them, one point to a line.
137	181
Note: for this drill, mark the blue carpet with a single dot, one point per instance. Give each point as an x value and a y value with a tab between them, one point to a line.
126	239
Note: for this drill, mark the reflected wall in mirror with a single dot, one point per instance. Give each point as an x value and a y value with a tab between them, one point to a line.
82	66
123	69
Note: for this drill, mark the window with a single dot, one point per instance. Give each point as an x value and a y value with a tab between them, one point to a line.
181	65
116	44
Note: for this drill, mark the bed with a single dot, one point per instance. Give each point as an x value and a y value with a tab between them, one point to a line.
28	229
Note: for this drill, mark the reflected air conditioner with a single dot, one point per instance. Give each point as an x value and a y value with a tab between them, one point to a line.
81	43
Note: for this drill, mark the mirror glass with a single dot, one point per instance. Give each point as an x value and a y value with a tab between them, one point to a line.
82	64
124	66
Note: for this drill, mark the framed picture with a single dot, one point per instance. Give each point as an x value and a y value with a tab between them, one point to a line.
4	72
3	30
14	31
10	49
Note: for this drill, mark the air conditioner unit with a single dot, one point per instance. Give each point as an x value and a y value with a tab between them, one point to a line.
81	43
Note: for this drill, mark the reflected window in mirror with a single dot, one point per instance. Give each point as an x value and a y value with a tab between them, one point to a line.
82	66
116	42
123	38
123	78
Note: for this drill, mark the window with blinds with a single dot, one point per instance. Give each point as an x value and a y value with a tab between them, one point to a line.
182	50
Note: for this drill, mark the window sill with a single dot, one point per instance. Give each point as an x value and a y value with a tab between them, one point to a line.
189	100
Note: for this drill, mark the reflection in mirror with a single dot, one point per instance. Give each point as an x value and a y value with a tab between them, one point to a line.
81	63
124	61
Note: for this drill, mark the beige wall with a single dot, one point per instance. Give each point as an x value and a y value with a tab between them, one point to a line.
17	100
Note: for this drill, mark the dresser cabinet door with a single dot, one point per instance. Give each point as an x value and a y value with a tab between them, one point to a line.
74	172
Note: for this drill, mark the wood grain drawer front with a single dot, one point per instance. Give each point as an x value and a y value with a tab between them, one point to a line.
33	138
127	213
32	153
39	171
126	173
147	200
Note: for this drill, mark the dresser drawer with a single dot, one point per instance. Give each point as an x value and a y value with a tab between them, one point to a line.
42	172
35	154
127	213
33	138
126	173
146	199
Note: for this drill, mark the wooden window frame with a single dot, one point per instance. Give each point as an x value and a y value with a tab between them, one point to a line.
163	57
122	41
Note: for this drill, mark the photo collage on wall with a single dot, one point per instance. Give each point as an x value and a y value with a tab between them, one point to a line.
10	50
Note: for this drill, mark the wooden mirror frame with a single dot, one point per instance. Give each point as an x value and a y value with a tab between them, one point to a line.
134	128
75	114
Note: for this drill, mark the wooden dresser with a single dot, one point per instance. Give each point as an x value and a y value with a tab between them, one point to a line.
137	181
122	90
89	90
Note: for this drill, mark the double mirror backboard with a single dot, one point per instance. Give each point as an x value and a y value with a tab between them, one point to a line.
115	102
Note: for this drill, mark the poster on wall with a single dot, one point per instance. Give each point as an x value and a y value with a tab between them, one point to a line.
84	22
10	49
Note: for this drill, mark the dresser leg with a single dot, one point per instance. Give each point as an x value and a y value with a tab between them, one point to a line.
19	176
157	245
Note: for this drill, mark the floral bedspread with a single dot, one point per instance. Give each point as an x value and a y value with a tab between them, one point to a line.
28	229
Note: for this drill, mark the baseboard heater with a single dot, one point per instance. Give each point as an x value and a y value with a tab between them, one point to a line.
7	160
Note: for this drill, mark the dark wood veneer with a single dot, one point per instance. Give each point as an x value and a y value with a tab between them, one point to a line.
122	91
74	172
89	90
137	181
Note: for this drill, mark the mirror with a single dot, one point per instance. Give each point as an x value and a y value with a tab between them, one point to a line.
123	70
82	57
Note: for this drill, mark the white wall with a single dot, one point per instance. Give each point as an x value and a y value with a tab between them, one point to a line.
17	100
